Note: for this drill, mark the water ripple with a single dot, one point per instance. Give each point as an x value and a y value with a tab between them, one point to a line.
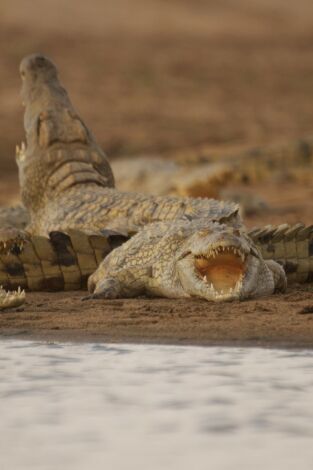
75	406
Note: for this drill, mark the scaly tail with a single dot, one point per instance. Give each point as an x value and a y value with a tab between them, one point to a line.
64	261
289	245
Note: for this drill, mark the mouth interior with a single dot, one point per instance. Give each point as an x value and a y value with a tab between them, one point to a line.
222	268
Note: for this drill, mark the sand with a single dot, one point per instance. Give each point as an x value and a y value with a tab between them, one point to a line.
283	321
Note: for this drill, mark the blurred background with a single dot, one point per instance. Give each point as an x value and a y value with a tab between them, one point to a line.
151	77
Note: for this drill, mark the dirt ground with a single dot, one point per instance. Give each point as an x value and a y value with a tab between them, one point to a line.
150	77
286	321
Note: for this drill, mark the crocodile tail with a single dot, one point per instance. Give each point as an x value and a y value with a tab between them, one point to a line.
289	245
62	261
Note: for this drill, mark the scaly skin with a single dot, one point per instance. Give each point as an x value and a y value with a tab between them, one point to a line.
61	151
67	185
162	177
66	181
64	177
14	217
292	159
65	261
201	172
197	258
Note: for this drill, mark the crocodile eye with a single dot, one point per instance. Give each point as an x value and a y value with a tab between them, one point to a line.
23	74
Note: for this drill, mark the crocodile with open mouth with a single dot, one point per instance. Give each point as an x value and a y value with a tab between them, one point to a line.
177	247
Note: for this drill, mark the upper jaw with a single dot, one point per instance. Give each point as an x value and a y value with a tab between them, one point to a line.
216	249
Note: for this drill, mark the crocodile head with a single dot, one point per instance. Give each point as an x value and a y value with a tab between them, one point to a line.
12	241
195	258
60	151
221	263
11	299
37	72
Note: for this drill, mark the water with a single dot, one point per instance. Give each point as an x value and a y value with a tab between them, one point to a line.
79	406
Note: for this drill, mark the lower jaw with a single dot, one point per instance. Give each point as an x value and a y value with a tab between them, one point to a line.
223	297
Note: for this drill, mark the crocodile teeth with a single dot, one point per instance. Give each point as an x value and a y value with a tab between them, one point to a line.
213	252
11	299
20	151
218	261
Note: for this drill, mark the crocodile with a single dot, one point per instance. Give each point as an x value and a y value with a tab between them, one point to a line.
11	299
288	160
164	176
67	187
203	171
221	261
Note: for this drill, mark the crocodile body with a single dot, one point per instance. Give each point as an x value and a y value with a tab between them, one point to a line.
77	217
291	160
201	172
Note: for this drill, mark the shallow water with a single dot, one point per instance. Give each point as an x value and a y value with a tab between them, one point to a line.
79	406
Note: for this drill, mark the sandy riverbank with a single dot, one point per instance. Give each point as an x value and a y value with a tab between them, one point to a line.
279	321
